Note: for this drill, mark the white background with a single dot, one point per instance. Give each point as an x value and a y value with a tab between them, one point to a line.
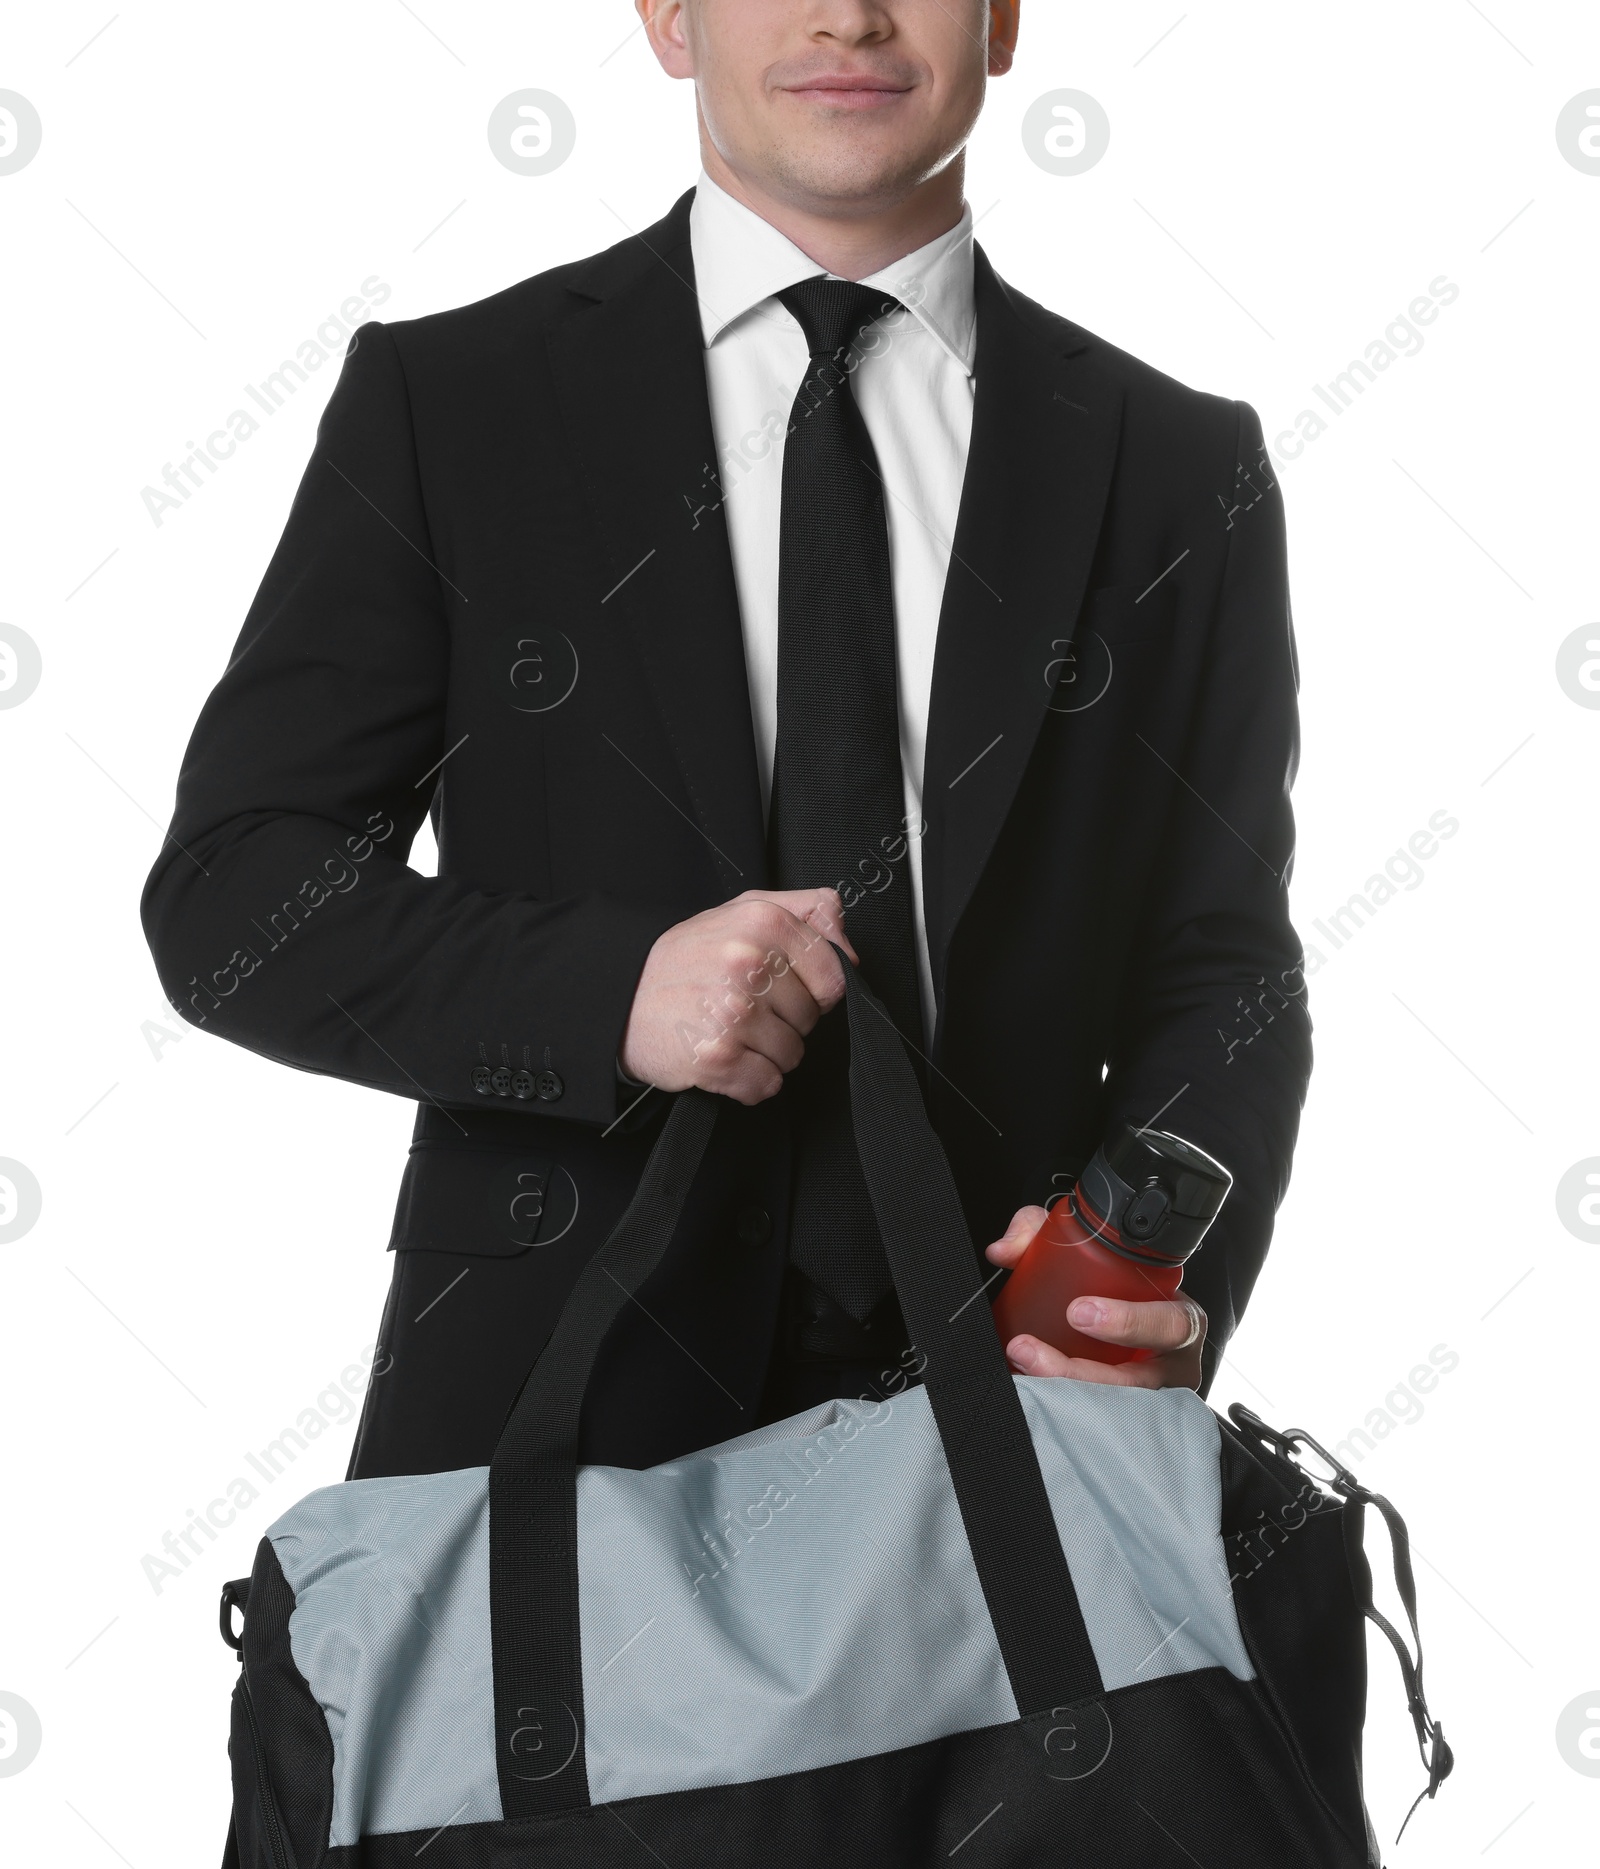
1281	181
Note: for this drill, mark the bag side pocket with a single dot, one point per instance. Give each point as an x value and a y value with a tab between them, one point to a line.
1284	1542
259	1833
279	1745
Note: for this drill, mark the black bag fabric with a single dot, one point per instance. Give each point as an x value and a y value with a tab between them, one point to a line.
1198	1765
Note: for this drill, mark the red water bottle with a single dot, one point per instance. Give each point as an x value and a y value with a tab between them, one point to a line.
1139	1210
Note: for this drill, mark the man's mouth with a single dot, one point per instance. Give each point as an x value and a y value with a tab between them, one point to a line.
849	90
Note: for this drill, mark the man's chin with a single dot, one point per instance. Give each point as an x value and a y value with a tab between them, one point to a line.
845	177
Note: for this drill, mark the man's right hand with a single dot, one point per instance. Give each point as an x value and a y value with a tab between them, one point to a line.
726	998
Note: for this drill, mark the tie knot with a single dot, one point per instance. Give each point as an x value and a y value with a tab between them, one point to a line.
834	312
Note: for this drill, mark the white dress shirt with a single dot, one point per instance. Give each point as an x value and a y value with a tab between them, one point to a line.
914	390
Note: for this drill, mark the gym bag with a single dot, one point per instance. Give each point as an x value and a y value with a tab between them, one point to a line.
1042	1621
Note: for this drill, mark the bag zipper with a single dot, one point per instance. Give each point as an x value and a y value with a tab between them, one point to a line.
271	1821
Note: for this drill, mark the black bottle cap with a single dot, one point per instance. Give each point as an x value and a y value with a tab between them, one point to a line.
1158	1192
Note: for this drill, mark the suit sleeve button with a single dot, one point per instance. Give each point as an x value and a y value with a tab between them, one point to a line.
522	1084
548	1087
753	1226
480	1081
500	1082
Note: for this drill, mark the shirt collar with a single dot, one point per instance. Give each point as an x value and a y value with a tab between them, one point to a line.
740	261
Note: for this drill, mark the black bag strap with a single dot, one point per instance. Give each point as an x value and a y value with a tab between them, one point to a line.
533	1498
1005	1507
1437	1758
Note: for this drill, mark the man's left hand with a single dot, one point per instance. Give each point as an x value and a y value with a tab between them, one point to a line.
1173	1329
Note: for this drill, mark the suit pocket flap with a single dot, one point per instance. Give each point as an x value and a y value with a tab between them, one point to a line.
461	1199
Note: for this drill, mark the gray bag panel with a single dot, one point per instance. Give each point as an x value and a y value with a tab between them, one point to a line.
776	1608
390	1629
780	1607
1135	1483
798	1597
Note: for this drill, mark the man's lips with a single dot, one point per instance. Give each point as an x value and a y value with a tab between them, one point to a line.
850	89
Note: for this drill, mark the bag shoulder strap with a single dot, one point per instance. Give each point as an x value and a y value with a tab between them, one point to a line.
1437	1758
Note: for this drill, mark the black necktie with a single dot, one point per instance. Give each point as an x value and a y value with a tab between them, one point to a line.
838	802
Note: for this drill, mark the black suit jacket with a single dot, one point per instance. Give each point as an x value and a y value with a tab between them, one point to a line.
505	593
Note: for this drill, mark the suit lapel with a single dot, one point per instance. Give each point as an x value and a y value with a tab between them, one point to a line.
630	376
1044	438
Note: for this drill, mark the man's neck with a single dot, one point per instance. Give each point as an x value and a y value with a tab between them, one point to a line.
859	242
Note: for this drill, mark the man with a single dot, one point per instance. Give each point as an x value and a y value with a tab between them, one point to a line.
777	579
